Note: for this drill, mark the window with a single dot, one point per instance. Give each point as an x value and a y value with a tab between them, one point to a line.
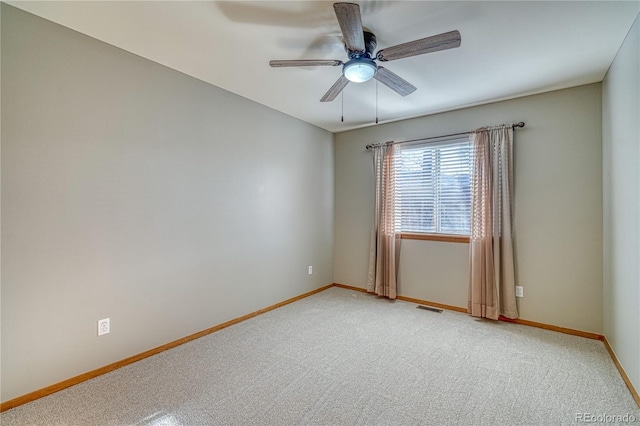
433	192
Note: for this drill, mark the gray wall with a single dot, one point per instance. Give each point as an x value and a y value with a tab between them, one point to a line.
621	181
134	192
558	208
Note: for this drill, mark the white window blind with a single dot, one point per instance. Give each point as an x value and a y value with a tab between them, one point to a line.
433	193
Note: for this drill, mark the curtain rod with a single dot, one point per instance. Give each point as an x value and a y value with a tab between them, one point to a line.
513	126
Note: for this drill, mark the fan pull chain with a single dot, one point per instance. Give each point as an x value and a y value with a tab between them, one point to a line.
376	101
342	101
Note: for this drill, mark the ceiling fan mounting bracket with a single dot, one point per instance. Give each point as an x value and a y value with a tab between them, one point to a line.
380	58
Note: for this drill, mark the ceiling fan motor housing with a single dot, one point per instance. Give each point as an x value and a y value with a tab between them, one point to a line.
370	44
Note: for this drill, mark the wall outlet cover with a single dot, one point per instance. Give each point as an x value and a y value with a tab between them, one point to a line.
104	326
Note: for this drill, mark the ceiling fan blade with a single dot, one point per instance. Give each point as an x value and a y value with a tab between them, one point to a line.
394	82
350	21
435	43
335	90
305	63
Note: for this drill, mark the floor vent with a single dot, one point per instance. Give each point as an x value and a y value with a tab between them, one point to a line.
429	308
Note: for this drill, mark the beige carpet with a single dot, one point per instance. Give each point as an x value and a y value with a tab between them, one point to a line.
347	358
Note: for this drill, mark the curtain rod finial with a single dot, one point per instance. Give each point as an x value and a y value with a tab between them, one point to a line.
520	124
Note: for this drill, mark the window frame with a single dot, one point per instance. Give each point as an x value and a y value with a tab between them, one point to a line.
449	238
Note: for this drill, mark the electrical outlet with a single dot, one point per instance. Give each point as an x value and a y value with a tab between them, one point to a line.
519	291
310	270
104	326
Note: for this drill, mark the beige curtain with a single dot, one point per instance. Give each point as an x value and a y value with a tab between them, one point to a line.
385	238
492	277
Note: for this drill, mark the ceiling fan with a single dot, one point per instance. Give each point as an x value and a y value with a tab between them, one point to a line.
360	45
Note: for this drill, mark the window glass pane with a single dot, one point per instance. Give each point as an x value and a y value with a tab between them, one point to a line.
433	193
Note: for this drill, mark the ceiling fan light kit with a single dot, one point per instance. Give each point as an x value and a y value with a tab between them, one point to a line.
359	70
361	65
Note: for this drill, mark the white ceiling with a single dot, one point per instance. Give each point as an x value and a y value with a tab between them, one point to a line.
509	49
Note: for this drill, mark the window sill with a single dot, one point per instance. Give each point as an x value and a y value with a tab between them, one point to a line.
436	237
